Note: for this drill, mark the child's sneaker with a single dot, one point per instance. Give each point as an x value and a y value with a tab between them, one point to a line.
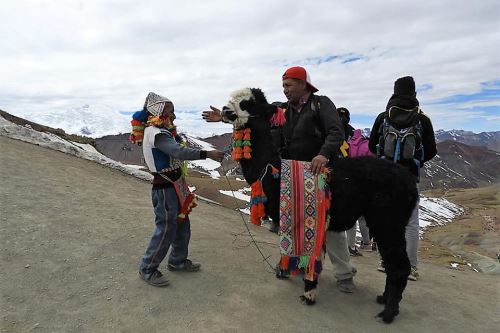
155	278
185	266
413	274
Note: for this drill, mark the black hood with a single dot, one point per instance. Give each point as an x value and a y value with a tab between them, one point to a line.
403	110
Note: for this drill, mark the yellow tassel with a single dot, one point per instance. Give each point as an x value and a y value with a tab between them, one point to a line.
343	149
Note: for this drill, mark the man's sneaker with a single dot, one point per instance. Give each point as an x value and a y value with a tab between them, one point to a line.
185	266
374	246
381	267
366	247
354	252
413	274
346	285
155	279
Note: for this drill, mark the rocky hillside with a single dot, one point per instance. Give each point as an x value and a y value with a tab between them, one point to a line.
490	140
458	165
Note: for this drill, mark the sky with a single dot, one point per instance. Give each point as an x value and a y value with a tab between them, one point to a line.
61	55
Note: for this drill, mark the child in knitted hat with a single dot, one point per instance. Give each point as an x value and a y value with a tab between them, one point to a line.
165	153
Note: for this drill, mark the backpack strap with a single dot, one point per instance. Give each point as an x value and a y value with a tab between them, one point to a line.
315	107
379	147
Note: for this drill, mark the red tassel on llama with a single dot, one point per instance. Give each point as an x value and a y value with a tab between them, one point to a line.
258	197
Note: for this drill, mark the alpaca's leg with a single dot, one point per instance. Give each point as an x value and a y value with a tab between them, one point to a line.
310	292
397	267
272	191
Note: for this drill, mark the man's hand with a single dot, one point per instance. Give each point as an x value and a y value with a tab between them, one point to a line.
212	116
318	163
215	155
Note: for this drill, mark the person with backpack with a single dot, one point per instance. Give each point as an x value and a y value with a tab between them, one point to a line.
312	132
358	146
404	134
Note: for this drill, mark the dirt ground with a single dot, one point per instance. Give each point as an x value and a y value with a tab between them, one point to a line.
474	237
72	233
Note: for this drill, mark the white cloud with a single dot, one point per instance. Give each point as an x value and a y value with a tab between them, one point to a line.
65	54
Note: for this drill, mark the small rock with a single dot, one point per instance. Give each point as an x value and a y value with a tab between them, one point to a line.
27	266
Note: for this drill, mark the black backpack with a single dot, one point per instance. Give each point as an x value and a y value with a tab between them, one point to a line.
401	135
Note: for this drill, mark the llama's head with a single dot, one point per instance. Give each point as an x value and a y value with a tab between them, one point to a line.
246	105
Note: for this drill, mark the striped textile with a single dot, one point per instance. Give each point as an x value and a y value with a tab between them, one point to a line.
304	200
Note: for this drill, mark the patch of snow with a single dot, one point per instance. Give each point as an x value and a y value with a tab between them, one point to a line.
49	140
207	165
245	210
437	211
137	167
237	194
86	146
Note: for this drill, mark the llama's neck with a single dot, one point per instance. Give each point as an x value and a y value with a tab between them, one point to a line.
263	153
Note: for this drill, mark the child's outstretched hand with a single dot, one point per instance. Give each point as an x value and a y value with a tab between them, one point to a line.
215	155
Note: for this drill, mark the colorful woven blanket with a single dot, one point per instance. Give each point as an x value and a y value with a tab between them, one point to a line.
304	201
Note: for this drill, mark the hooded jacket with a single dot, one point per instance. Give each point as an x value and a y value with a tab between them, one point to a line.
428	140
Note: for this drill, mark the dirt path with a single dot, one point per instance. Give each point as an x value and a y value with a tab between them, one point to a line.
72	233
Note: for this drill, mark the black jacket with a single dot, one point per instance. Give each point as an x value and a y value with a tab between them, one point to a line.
428	139
316	129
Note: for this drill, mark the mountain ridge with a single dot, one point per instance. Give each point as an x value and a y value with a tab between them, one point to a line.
457	165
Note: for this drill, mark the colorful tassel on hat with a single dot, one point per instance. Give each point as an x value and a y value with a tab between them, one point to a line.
137	134
138	123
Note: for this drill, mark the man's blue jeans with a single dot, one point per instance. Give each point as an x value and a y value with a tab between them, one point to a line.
167	232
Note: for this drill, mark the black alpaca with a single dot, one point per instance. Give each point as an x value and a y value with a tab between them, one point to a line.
381	191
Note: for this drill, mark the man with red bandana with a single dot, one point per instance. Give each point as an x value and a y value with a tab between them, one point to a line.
313	132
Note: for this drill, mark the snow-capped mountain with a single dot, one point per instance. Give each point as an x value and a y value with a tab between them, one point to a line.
100	120
472	165
88	120
490	140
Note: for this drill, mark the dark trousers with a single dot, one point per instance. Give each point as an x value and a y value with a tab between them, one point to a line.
168	232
